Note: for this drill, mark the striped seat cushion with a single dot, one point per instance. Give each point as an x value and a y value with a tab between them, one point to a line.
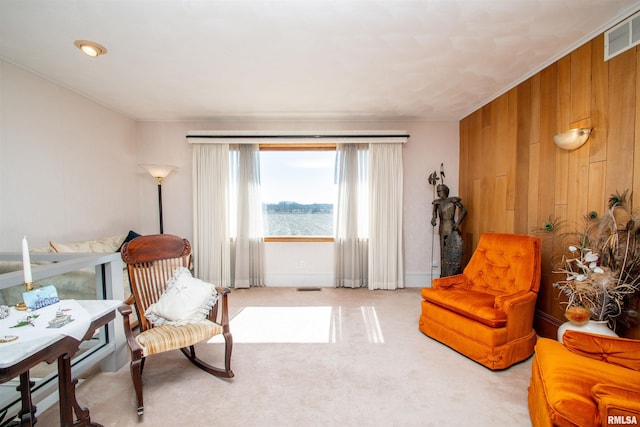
169	337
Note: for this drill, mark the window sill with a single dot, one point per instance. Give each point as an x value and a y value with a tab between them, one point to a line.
281	239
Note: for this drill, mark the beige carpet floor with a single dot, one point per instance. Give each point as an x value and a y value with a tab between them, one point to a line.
333	357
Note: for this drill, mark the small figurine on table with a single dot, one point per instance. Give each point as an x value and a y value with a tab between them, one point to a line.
60	320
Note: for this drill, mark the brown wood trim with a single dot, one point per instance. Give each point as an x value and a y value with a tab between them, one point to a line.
546	325
297	239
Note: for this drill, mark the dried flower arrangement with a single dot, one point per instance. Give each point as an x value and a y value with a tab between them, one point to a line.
601	265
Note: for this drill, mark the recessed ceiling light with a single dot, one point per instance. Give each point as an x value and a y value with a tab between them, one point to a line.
90	48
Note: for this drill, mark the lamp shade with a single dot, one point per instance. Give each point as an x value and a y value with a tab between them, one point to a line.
158	171
572	138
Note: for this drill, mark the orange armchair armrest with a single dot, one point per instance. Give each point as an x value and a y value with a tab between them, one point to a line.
617	405
457	281
519	308
615	350
506	302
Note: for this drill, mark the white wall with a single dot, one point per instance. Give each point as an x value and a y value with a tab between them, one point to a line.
67	164
69	171
301	264
430	144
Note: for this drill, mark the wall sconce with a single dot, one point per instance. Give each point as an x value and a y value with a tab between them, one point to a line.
159	172
572	138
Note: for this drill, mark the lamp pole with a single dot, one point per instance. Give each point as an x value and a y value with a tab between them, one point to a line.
159	172
159	178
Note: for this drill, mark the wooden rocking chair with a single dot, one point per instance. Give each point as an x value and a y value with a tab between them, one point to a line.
151	262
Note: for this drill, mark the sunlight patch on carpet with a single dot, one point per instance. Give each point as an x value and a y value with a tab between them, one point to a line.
370	319
323	324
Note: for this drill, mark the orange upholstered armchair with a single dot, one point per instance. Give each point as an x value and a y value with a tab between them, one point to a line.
486	313
589	380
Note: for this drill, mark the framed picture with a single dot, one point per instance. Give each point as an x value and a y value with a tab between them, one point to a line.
40	297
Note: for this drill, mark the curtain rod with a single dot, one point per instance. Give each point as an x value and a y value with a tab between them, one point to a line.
299	136
312	136
387	136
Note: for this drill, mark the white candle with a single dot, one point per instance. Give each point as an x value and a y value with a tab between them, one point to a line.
26	261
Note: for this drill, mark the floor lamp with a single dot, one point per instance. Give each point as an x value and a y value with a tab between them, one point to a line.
159	172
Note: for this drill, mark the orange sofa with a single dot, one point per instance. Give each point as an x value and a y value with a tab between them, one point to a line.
486	313
591	380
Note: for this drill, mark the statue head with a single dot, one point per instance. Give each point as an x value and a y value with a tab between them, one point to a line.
443	190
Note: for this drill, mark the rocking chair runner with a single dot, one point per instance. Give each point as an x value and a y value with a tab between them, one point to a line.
151	262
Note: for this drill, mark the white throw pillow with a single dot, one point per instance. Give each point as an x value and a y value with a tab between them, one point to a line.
186	300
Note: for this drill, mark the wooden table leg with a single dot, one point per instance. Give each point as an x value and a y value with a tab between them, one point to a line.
68	402
28	412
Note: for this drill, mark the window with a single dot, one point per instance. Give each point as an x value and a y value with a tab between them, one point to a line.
298	191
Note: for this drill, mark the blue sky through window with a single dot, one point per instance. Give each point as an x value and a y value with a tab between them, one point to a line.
297	176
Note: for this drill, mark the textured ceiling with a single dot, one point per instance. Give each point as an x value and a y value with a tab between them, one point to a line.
303	59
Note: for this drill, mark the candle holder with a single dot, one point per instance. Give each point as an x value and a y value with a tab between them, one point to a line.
28	286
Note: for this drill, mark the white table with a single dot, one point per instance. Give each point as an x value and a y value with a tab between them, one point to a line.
44	344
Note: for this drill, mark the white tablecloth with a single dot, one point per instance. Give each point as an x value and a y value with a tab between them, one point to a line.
31	338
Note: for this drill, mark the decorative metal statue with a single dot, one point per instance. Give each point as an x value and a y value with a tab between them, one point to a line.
450	211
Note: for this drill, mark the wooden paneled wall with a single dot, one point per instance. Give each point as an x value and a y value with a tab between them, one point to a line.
513	178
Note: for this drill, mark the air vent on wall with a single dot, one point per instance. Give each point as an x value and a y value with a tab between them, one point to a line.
622	37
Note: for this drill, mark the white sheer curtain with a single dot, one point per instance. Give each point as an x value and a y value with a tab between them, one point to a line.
351	224
247	237
211	239
227	221
386	263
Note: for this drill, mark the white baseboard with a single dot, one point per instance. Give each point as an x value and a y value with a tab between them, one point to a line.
299	280
418	280
412	280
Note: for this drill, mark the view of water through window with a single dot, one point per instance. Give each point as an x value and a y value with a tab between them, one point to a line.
298	192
